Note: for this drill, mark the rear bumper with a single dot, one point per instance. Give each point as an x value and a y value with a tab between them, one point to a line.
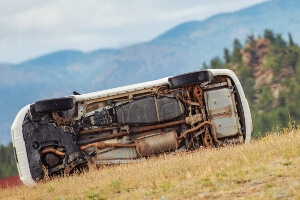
245	105
20	149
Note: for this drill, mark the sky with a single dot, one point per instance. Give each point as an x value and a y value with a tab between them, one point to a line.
32	28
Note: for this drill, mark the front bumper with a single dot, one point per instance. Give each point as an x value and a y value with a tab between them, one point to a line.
20	148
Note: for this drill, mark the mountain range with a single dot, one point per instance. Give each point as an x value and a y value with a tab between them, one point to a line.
181	49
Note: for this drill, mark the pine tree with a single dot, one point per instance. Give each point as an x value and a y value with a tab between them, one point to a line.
226	55
236	54
268	34
280	43
291	41
216	63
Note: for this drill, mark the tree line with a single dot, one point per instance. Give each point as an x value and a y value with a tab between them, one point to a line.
7	161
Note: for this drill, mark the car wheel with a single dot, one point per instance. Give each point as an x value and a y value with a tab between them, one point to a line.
191	78
57	104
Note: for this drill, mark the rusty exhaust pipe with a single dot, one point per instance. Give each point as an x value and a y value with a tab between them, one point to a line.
139	130
102	145
107	137
214	134
158	126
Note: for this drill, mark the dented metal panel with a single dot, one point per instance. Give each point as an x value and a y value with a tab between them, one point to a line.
221	111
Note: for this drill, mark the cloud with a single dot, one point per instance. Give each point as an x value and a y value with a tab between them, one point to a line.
31	28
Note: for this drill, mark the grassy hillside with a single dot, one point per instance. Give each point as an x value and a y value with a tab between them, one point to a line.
267	168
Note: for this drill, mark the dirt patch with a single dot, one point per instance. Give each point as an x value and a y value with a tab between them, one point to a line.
10	181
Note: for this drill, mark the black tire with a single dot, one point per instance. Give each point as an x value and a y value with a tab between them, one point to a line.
57	104
191	78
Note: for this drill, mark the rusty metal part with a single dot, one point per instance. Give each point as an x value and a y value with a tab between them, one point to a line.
216	85
182	110
94	130
59	120
185	133
198	94
138	130
162	142
158	126
188	89
116	135
51	150
187	101
192	103
95	106
197	134
163	90
107	137
137	93
194	119
224	112
203	113
156	108
207	140
102	145
70	167
91	130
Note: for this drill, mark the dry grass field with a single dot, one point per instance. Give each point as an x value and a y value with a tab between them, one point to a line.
268	168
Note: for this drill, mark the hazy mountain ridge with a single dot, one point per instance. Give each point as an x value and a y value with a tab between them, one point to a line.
181	49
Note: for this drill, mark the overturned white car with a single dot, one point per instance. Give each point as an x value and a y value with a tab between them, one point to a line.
120	125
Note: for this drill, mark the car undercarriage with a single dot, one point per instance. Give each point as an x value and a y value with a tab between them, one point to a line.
191	111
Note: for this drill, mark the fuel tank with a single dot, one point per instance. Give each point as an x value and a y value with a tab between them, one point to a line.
150	110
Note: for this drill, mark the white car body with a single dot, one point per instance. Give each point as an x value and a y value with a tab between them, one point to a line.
83	101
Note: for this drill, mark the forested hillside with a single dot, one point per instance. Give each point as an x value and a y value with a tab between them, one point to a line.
7	161
269	69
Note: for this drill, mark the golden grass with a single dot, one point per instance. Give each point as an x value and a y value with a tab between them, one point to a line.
265	169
